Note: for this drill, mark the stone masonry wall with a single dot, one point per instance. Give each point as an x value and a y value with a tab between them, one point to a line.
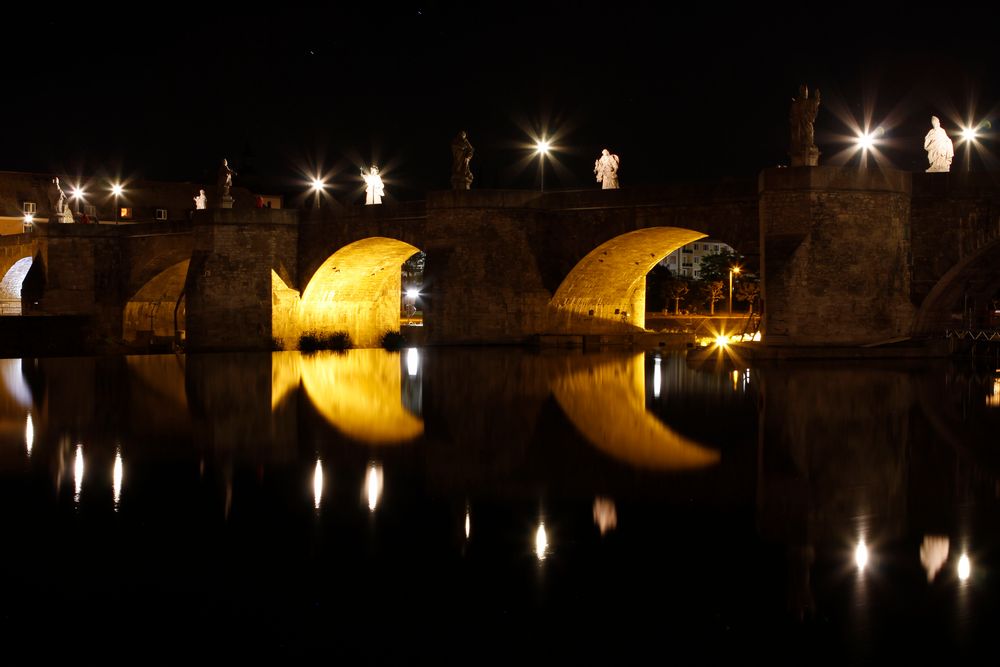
835	256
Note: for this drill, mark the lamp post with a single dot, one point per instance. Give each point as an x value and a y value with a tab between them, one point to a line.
318	188
116	190
543	148
77	195
732	270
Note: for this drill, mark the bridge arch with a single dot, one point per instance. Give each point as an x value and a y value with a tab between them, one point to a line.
357	290
10	286
157	309
971	283
606	290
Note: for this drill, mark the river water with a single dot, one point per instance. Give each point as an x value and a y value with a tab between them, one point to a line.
482	505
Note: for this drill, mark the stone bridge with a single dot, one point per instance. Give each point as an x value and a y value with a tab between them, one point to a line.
846	256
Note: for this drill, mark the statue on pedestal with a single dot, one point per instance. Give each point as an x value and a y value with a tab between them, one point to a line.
606	168
57	201
225	182
802	115
940	150
374	188
461	153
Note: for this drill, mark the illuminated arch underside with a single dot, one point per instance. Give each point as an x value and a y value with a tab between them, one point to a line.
613	277
357	290
606	402
10	286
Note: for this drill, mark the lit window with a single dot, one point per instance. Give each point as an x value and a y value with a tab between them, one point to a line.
30	208
125	212
161	214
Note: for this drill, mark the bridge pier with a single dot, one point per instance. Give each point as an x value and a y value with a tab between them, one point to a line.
78	270
229	284
835	255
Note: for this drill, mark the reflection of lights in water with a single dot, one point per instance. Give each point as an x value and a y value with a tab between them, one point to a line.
657	377
993	400
468	523
861	555
541	541
14	383
373	485
605	514
736	380
412	361
964	567
933	554
78	473
29	434
318	484
117	477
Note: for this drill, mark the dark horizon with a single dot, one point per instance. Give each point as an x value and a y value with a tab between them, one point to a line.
291	94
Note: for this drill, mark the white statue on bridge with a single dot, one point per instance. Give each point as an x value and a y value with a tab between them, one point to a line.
201	201
606	168
940	150
374	188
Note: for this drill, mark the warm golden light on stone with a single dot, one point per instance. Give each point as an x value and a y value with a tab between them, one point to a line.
606	291
356	290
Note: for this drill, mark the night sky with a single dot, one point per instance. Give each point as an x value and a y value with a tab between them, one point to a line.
678	94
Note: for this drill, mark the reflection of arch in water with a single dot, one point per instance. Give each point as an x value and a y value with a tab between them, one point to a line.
158	308
359	392
357	290
606	290
956	407
163	375
604	397
286	375
10	287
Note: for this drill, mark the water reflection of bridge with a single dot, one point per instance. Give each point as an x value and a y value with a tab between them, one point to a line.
834	442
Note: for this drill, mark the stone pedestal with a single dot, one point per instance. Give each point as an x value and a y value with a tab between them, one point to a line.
229	288
835	255
806	158
461	182
226	202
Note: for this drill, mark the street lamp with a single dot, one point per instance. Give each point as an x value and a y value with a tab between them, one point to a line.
116	190
732	270
77	194
542	147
